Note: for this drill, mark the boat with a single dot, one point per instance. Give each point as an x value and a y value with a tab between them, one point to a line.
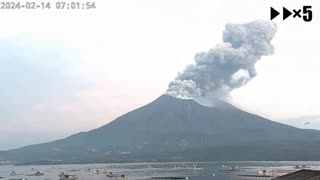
231	168
122	177
68	177
88	170
111	175
96	171
63	176
36	174
195	167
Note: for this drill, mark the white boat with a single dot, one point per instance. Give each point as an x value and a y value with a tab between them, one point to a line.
63	176
111	175
195	167
231	168
262	172
96	171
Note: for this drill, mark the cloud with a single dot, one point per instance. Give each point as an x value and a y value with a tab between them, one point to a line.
229	65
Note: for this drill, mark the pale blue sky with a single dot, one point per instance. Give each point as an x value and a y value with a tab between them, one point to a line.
63	72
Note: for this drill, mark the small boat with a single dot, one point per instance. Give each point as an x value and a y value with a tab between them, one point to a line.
231	168
68	177
36	174
122	177
96	171
88	170
63	176
195	167
179	167
111	175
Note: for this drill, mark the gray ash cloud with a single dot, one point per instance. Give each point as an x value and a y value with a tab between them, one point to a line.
227	66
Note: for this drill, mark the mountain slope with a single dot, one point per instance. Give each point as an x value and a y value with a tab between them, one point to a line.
168	128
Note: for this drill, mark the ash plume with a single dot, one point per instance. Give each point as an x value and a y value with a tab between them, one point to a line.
229	65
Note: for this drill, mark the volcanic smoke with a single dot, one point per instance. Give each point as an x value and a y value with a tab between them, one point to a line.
227	66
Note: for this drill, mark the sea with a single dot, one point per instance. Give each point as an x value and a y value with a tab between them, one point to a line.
140	171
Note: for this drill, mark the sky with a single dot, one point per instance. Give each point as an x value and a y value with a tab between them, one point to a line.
66	71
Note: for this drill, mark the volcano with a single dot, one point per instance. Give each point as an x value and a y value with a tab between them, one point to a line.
172	129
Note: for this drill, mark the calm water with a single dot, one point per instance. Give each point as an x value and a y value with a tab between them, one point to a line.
206	171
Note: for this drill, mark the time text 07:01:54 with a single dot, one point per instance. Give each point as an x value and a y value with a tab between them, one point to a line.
48	5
